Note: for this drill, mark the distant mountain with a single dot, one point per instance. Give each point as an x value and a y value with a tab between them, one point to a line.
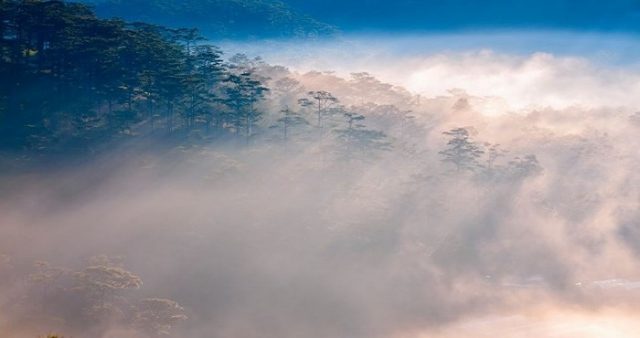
219	18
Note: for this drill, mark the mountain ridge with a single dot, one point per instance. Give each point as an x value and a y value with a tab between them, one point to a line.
220	19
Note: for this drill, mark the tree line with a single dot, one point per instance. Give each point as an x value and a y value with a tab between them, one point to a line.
72	81
71	78
483	159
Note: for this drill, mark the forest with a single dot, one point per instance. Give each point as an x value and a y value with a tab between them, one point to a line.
155	184
238	19
75	81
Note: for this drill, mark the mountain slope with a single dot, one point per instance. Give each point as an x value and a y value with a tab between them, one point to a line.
219	18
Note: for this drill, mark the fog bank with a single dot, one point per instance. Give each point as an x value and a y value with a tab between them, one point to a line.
531	230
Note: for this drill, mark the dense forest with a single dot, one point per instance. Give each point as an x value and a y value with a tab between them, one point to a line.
73	80
241	19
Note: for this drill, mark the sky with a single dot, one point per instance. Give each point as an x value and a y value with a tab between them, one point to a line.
499	48
522	69
438	15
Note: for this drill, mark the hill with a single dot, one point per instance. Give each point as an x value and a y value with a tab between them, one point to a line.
237	19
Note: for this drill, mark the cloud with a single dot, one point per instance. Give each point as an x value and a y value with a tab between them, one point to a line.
519	70
268	241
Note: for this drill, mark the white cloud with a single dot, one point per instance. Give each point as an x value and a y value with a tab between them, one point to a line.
523	79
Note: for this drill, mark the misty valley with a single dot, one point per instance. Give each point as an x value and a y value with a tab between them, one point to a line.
244	169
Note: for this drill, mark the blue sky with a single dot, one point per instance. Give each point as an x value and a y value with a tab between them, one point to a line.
448	15
524	68
603	31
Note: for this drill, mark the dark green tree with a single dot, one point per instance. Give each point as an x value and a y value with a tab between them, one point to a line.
241	94
72	80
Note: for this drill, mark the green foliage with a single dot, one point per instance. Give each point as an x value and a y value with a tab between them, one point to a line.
74	81
220	18
241	92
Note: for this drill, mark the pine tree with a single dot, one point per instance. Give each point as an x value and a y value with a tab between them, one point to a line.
461	151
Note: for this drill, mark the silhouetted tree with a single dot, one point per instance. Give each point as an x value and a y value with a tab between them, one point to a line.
321	101
72	79
356	141
461	151
494	152
289	119
525	166
241	93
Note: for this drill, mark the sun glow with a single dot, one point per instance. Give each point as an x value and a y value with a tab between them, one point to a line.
523	80
554	324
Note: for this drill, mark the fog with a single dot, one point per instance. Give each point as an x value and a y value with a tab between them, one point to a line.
307	238
520	68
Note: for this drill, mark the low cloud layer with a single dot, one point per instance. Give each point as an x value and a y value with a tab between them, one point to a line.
518	70
540	238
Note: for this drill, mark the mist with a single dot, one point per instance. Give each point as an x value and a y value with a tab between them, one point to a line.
532	231
520	68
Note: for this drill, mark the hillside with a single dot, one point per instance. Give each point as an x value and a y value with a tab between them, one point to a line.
219	18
